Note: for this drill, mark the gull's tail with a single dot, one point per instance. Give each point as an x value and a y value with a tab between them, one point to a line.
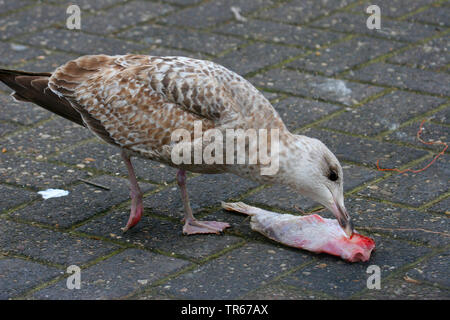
33	87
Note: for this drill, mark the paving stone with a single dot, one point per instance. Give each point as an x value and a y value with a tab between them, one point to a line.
88	5
7	127
183	2
383	114
345	55
301	11
399	289
390	29
431	132
13	53
304	84
393	8
116	277
47	245
364	151
404	78
442	116
204	191
30	20
342	279
181	38
434	270
414	189
278	291
280	33
81	43
154	295
256	56
21	112
47	138
436	14
161	51
12	197
17	276
6	5
83	202
433	55
427	228
287	199
36	174
212	13
121	17
158	234
235	273
48	62
107	158
298	112
442	206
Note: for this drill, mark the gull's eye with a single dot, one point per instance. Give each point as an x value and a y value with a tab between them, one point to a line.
333	176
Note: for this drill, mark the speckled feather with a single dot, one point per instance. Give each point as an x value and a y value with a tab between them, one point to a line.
140	100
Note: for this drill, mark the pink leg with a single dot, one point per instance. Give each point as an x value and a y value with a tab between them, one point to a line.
135	193
192	225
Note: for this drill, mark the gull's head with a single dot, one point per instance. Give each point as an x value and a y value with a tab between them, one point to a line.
315	172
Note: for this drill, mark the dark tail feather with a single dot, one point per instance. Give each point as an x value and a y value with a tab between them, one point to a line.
33	87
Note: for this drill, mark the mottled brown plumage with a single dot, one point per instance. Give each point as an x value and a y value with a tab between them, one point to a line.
135	102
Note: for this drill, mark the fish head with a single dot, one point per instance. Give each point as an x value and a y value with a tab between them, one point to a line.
316	173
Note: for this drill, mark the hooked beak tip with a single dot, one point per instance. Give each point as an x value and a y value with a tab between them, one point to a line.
344	219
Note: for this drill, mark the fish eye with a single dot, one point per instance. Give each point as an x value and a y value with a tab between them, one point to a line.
333	176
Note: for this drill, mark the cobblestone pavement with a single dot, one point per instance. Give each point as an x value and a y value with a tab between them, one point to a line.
363	92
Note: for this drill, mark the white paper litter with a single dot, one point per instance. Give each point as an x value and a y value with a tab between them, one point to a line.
53	193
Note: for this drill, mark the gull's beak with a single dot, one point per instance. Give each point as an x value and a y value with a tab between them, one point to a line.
343	218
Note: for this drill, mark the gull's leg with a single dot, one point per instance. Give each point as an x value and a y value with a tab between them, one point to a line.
191	225
135	193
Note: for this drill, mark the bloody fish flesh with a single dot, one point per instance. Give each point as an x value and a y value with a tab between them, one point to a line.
312	232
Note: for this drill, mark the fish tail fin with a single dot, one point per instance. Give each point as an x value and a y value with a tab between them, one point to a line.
239	207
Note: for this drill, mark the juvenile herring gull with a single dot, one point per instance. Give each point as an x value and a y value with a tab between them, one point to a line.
135	102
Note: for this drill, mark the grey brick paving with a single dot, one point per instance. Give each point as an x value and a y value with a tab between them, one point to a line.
396	8
182	39
434	270
158	234
436	14
235	273
124	16
345	55
412	188
116	277
13	53
104	157
298	112
362	92
18	276
12	196
82	202
308	85
392	29
81	43
280	33
433	55
364	151
405	78
49	245
21	113
432	132
299	11
383	114
256	56
340	279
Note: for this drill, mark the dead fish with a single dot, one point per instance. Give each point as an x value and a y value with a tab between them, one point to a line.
312	232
